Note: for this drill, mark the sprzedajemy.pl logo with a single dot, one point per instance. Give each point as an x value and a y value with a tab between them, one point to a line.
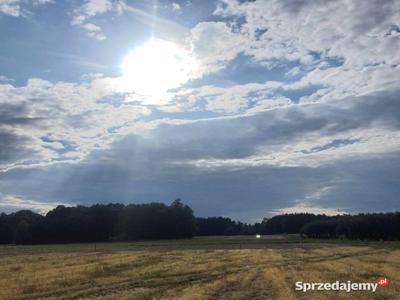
347	286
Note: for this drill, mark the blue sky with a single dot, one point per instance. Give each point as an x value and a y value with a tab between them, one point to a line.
243	109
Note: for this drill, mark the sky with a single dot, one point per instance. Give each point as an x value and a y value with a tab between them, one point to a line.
244	109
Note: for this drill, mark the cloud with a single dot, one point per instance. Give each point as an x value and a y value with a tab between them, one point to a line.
16	8
86	16
5	79
369	126
65	122
317	157
215	44
164	28
10	7
92	8
12	203
294	30
44	122
357	57
176	7
94	31
41	2
138	168
233	99
312	135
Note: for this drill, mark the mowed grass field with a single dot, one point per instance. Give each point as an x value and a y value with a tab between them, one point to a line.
199	268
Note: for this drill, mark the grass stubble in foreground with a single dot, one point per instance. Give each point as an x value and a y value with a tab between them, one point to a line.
200	268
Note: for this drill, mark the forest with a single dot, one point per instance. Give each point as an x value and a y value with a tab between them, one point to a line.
119	222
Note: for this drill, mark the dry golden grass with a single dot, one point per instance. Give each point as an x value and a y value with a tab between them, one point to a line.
195	270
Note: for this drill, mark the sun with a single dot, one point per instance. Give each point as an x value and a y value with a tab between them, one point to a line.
157	67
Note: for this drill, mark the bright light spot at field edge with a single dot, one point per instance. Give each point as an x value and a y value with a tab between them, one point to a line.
156	67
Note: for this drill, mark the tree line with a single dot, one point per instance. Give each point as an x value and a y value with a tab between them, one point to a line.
223	226
119	222
375	226
99	223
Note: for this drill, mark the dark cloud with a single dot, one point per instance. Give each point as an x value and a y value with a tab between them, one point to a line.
365	185
13	147
16	115
240	137
334	144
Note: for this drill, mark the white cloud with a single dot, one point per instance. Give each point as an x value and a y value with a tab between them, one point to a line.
214	45
5	79
10	7
346	47
92	8
62	121
293	71
16	8
17	203
311	203
316	134
372	142
176	7
94	31
232	99
41	2
354	30
91	27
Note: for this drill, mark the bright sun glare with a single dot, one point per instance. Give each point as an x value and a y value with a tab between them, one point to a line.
156	67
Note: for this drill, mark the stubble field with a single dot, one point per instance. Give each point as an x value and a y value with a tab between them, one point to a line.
200	268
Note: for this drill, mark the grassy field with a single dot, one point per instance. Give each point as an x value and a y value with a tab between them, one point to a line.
200	268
